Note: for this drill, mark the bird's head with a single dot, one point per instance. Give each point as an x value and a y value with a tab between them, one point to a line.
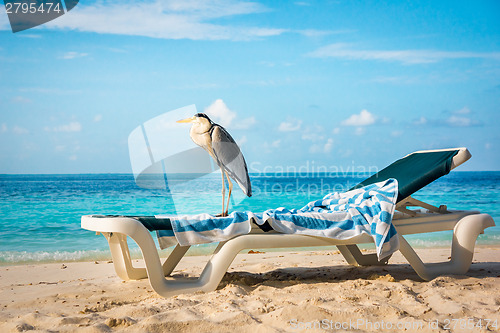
200	122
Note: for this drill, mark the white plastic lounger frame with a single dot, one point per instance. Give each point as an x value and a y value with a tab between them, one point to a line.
466	226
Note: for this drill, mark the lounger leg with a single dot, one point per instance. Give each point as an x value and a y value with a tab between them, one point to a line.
174	258
354	257
121	258
462	248
208	280
123	262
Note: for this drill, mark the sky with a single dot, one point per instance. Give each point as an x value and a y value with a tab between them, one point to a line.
347	85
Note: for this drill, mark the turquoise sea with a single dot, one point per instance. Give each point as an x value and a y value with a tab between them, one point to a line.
40	214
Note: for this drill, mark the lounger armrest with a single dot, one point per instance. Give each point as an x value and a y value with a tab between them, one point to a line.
126	225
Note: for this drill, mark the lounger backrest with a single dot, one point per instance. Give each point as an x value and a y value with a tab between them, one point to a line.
418	169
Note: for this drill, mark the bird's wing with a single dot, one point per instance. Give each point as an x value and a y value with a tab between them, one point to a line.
229	158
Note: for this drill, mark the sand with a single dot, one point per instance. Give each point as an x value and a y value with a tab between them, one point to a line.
263	292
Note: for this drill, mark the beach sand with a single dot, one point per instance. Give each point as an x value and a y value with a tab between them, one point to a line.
263	292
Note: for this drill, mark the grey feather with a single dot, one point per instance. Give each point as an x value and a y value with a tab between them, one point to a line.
229	157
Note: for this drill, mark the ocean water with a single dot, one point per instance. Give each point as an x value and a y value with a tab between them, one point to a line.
40	214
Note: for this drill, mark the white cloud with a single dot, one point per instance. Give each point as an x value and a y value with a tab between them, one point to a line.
73	55
71	127
420	121
270	147
458	118
245	123
166	19
314	137
458	121
19	130
242	140
318	33
314	148
321	148
32	36
267	63
290	125
4	21
397	133
345	51
313	133
396	79
73	158
98	118
20	100
117	50
328	146
336	130
364	118
360	130
220	113
53	91
4	128
464	110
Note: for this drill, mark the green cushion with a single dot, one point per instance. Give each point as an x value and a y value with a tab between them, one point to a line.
152	223
414	171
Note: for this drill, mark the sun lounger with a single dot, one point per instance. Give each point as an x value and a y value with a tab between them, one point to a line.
413	172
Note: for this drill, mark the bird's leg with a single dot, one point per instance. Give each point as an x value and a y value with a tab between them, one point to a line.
211	152
230	185
223	192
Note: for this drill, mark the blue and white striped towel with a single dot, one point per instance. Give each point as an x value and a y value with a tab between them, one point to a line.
338	215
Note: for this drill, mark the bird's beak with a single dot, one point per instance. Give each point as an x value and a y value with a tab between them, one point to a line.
187	120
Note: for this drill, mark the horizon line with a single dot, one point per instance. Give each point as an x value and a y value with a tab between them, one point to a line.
187	173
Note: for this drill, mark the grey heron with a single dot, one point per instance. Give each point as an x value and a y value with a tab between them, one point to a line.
221	146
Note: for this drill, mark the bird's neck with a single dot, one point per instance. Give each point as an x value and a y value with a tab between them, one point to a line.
202	139
200	129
